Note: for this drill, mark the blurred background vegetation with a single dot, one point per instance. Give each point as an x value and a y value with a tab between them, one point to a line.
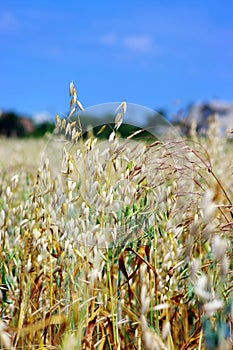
14	125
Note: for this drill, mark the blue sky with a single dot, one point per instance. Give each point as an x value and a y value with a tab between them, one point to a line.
161	54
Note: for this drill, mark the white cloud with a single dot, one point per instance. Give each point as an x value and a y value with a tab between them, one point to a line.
41	117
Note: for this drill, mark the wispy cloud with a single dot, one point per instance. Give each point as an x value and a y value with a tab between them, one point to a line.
8	22
109	39
138	43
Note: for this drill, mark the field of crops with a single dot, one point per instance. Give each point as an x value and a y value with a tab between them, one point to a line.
115	244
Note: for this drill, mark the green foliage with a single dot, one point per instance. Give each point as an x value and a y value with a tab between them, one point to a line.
10	125
43	128
13	125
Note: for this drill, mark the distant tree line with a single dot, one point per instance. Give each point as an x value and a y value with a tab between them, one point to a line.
13	125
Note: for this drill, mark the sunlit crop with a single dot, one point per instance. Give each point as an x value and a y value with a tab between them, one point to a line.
116	244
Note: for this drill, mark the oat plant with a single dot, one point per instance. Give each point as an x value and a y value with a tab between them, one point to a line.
116	243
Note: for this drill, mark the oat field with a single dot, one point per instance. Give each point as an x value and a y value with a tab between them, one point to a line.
116	245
